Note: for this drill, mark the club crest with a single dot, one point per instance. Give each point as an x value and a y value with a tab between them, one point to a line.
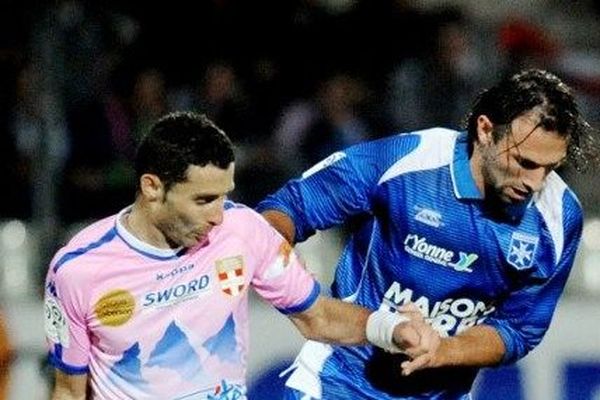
230	272
522	250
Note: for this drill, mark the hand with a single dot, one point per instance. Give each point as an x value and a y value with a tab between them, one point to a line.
406	334
418	340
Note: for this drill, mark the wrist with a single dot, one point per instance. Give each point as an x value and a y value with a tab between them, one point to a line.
447	353
380	329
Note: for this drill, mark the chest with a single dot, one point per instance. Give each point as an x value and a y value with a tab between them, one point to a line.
195	297
452	248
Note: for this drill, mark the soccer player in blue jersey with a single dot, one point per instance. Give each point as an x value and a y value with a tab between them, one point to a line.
474	229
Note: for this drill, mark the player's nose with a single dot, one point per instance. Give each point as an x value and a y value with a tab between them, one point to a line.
534	179
216	214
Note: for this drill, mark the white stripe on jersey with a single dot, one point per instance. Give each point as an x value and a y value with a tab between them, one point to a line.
552	210
308	365
428	154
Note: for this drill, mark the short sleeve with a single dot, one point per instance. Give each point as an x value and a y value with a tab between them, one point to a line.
280	278
64	323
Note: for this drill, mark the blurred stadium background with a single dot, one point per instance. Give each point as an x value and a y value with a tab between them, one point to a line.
290	81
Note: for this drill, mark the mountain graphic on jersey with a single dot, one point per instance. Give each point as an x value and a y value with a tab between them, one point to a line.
174	351
129	367
223	344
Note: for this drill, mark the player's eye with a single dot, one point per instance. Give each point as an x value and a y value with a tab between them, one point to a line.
205	199
527	164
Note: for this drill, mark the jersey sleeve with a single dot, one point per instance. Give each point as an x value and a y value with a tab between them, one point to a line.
66	333
340	186
524	317
280	278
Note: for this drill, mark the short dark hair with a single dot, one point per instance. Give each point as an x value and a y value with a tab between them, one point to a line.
522	92
179	140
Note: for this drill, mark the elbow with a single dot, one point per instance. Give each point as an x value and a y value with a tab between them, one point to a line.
516	346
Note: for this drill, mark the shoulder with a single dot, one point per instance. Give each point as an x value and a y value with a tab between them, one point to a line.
431	148
245	228
560	211
556	201
240	218
84	244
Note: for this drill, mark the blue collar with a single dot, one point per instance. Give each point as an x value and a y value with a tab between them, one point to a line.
460	170
464	183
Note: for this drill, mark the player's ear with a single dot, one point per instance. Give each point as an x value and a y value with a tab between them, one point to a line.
485	130
151	187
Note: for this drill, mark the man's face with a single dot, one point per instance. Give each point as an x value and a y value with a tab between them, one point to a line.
516	166
190	209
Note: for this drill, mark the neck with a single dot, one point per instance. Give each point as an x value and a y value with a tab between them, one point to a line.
139	224
476	163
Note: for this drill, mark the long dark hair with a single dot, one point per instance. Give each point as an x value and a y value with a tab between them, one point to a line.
531	89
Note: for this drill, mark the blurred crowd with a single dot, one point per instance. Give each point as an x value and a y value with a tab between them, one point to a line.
290	81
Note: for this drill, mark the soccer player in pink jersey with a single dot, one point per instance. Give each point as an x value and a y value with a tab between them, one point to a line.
152	303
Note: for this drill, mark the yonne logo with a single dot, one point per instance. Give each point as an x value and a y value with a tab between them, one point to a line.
418	247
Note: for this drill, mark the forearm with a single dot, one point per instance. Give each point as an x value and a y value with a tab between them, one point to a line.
69	387
65	394
479	346
282	222
333	321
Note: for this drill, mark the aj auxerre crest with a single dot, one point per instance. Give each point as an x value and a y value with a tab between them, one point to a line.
230	271
522	250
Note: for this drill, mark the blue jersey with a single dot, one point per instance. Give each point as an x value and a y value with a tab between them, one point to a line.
422	233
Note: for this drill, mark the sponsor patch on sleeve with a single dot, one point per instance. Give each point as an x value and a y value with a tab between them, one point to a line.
284	257
56	324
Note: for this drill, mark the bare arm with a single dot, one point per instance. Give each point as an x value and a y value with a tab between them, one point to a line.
334	321
282	222
6	358
70	387
478	346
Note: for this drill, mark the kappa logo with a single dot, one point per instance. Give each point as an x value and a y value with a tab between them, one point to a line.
429	217
231	275
521	250
182	269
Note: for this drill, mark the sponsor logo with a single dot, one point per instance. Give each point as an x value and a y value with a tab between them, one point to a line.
323	164
522	249
115	308
429	217
228	391
174	272
56	324
419	247
283	259
230	272
448	316
177	293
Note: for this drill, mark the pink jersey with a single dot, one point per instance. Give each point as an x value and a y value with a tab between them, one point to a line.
149	323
